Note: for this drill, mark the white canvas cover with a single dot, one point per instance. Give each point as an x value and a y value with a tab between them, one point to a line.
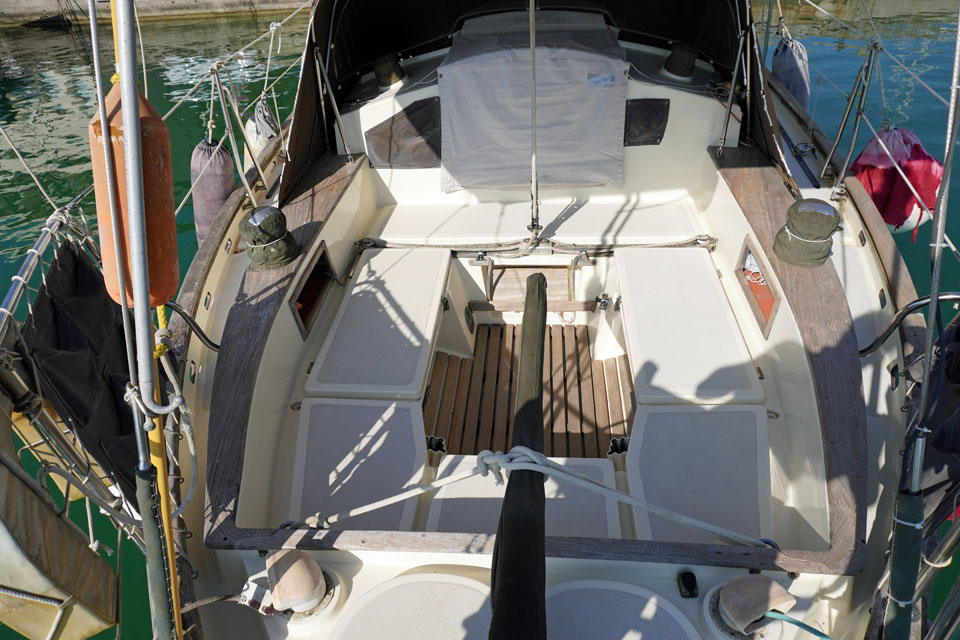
484	86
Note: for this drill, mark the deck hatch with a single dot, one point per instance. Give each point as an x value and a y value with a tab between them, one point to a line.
682	337
382	337
710	463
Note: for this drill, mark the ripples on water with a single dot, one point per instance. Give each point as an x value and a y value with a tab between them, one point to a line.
47	97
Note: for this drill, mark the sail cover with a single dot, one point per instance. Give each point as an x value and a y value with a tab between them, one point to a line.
484	86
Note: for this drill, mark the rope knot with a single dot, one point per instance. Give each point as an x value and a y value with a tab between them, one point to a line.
495	463
489	462
216	66
58	216
276	26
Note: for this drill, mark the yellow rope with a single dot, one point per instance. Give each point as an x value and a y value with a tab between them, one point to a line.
160	348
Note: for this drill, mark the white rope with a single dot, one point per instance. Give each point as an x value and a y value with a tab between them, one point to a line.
266	33
213	91
522	458
186	95
143	56
881	47
254	245
199	175
794	236
36	180
273	84
48	469
186	427
274	27
94	543
903	604
915	525
937	565
835	18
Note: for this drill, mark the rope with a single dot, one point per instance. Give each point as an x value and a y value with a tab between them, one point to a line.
274	27
273	84
211	600
266	33
213	91
776	615
29	597
522	458
94	543
937	565
143	57
61	605
795	236
881	48
186	428
48	469
36	180
186	95
199	175
835	18
161	340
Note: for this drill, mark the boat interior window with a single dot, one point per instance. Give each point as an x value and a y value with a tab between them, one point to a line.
645	121
763	298
408	139
311	290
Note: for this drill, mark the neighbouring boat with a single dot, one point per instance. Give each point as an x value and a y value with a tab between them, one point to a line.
656	286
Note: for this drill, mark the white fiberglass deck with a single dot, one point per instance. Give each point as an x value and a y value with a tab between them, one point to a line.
682	337
710	463
354	452
595	221
381	340
473	505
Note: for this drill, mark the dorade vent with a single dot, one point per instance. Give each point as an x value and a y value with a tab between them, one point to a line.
388	71
680	63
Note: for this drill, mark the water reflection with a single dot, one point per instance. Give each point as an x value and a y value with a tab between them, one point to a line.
47	97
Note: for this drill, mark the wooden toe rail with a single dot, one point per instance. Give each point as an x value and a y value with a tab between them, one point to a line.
820	308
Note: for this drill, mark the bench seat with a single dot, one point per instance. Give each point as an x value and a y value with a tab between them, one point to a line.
382	337
710	463
473	505
351	453
683	340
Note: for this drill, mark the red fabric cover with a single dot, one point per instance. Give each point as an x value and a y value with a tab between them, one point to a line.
889	192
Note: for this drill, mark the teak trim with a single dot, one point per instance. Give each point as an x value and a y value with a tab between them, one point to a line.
230	415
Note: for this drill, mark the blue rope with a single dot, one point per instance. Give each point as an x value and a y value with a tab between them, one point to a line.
776	615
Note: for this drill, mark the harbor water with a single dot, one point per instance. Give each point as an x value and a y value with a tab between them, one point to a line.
47	98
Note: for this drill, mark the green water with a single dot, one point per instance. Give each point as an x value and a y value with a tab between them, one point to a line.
47	97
